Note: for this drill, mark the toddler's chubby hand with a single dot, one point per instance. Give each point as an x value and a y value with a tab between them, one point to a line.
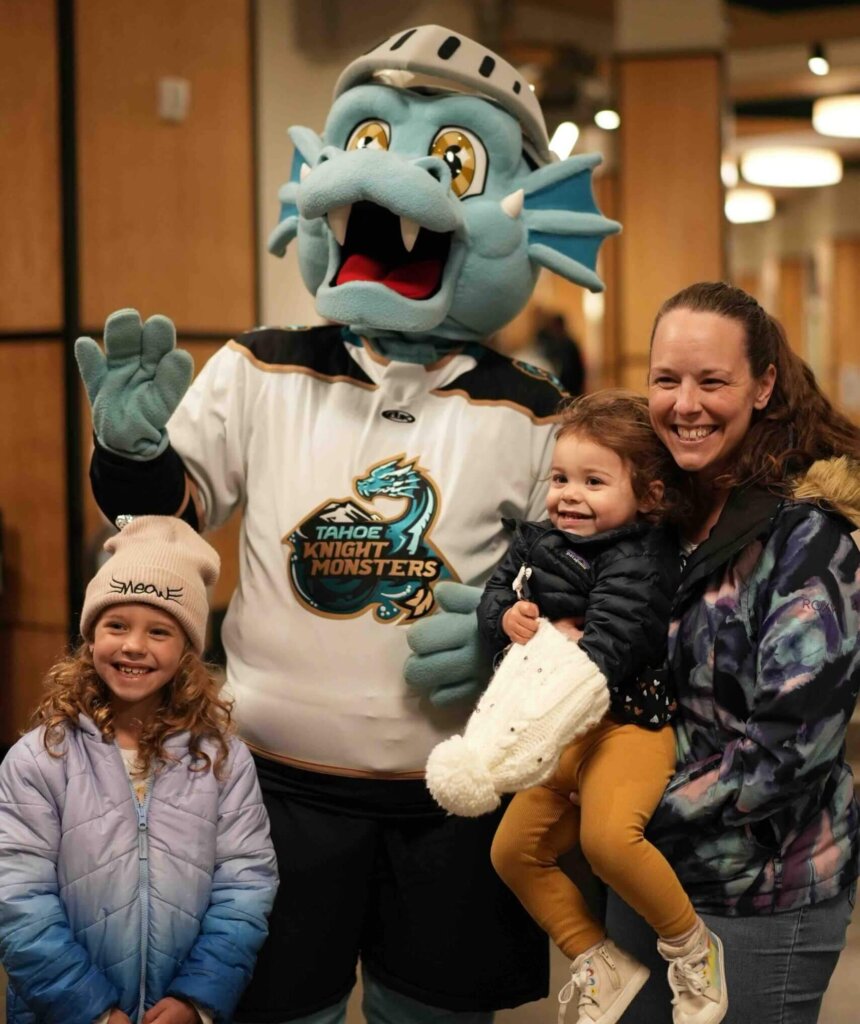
171	1011
118	1017
520	621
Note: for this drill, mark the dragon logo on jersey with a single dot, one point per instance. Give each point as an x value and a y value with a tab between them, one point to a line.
347	558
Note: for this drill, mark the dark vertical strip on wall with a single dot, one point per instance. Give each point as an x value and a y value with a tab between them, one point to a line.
71	308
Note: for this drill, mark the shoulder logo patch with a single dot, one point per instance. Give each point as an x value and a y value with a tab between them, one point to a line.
346	558
530	370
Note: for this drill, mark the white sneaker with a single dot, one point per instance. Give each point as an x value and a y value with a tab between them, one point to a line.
606	979
697	976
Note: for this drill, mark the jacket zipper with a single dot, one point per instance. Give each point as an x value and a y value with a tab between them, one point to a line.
143	887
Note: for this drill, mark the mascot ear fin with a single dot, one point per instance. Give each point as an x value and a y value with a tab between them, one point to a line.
308	148
564	224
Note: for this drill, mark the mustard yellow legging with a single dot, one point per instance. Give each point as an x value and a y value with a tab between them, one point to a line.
619	772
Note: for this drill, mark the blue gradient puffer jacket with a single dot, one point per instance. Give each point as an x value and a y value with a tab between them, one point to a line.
105	902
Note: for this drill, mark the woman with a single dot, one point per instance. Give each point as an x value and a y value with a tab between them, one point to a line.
760	821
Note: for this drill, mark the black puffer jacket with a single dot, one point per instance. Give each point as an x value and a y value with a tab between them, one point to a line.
621	584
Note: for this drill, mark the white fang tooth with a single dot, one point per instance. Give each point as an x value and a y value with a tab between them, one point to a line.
338	219
409	232
304	171
513	204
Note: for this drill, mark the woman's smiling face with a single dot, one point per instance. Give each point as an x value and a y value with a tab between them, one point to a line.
702	393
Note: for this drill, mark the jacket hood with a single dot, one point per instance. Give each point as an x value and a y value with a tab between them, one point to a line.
177	741
833	484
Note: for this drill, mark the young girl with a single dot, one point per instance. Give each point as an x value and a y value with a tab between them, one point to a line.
136	870
600	562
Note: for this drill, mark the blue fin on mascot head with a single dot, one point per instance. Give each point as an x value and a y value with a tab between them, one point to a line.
431	201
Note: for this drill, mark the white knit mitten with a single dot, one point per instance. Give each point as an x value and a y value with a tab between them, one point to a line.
544	694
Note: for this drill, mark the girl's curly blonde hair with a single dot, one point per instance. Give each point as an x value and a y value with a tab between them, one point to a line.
191	703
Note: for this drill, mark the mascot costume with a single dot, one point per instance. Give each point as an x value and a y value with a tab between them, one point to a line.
372	459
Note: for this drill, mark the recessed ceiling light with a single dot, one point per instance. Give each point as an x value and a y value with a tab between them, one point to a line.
564	139
837	115
791	166
749	205
817	63
609	120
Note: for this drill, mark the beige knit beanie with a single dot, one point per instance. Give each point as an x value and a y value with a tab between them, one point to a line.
156	560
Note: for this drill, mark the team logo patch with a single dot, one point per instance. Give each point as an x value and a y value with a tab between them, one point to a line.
530	370
346	558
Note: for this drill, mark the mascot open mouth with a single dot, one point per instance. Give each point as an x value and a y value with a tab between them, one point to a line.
376	245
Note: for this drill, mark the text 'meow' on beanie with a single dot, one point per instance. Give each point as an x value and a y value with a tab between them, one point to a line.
156	560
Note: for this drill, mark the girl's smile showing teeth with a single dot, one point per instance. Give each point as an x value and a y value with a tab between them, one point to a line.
136	651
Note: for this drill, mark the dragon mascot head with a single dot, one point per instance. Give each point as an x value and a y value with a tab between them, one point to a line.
430	202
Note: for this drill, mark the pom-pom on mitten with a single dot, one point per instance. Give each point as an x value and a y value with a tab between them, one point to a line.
544	694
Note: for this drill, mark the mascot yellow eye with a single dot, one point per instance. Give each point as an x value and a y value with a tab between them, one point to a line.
466	158
369	135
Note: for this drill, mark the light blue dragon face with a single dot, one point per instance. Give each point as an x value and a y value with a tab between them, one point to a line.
418	213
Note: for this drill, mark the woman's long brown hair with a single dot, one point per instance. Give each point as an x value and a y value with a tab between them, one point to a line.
799	425
191	703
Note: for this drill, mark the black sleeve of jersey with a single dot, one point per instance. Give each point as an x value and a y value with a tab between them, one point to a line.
498	596
156	487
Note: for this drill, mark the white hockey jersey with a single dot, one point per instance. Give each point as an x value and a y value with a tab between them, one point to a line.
363	482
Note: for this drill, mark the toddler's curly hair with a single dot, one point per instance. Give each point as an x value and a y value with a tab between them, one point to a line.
618	420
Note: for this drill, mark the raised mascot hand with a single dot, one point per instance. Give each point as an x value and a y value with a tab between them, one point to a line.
448	662
135	384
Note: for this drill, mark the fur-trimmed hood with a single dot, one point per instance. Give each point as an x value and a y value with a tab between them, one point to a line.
832	484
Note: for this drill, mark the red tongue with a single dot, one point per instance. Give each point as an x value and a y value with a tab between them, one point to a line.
413	280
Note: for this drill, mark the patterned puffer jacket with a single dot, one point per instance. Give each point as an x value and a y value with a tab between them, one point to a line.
106	902
764	649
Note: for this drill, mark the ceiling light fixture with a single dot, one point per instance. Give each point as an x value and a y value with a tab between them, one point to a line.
791	166
818	64
837	115
609	120
729	171
749	205
564	139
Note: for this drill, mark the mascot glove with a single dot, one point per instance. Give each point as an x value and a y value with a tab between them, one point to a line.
544	694
135	384
448	662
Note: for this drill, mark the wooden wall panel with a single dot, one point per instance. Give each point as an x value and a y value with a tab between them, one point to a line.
166	209
606	362
634	374
25	656
30	271
845	317
791	302
32	483
670	193
750	282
